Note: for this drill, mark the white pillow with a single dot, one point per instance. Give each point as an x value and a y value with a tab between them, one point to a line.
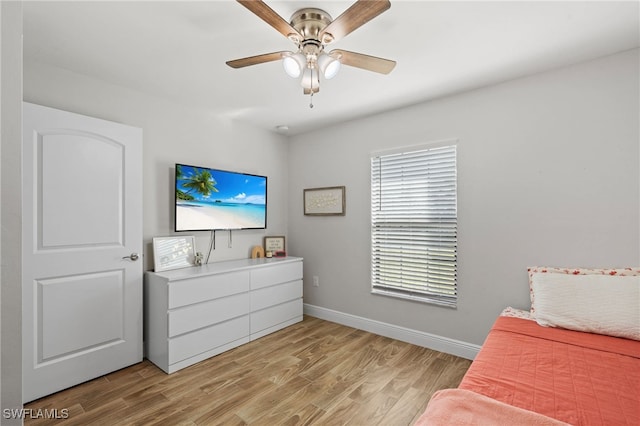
602	304
573	271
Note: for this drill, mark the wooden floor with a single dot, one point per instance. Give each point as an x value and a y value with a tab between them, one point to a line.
314	372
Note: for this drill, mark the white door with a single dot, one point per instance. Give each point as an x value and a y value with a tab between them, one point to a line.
81	239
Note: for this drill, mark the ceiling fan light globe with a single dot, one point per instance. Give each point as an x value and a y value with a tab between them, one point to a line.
329	66
310	79
332	69
291	67
293	64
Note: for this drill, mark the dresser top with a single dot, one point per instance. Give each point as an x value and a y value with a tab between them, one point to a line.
222	267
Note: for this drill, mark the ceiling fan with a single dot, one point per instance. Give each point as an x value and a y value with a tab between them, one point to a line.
311	29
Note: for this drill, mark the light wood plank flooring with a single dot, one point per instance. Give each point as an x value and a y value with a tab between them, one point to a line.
315	372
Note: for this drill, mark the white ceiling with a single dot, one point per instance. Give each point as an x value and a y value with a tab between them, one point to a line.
178	50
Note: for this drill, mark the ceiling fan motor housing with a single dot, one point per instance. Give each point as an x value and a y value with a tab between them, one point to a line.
309	22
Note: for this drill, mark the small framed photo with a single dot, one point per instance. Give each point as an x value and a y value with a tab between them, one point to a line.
330	201
173	252
275	246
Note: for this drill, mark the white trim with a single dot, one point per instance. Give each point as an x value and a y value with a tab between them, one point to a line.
418	147
415	337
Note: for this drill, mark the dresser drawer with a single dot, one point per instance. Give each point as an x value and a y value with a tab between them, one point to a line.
191	344
193	317
186	292
275	295
276	274
275	315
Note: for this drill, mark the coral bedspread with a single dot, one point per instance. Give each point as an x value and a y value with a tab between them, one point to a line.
461	407
579	378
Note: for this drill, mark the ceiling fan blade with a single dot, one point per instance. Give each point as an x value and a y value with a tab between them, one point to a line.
366	62
353	18
258	59
268	15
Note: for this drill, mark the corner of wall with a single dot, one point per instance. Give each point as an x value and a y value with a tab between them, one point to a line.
10	213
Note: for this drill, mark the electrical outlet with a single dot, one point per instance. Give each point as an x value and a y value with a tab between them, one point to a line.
316	281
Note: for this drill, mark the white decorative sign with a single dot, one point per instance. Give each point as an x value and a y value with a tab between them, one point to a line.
173	252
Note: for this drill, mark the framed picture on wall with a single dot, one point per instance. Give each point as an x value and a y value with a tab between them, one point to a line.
330	201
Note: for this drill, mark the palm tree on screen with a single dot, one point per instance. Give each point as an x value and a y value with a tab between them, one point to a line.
180	194
202	182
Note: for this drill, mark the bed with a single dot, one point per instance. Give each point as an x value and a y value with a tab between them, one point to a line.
560	363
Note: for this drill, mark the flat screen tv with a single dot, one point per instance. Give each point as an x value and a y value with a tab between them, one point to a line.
211	199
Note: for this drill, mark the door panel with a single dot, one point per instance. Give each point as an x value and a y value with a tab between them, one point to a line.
86	165
82	206
93	314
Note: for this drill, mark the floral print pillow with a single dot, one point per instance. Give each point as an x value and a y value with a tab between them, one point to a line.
516	313
574	271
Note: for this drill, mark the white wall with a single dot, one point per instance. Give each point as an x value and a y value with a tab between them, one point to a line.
172	134
10	208
548	174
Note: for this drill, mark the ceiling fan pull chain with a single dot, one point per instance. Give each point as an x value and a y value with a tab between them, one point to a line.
311	94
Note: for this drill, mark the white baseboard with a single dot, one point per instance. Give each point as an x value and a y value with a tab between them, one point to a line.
415	337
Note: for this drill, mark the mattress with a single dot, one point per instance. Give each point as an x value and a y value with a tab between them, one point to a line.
578	378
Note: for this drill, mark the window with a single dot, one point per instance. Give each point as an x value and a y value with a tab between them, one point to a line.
414	224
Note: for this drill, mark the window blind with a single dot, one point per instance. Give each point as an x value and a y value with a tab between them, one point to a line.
414	225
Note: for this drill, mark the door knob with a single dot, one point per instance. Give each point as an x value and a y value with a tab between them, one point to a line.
132	256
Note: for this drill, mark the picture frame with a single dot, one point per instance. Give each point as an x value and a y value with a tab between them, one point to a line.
275	245
328	201
173	252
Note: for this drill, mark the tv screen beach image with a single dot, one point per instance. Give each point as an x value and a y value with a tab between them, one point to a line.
209	199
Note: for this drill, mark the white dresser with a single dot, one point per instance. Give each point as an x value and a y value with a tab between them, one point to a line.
194	313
